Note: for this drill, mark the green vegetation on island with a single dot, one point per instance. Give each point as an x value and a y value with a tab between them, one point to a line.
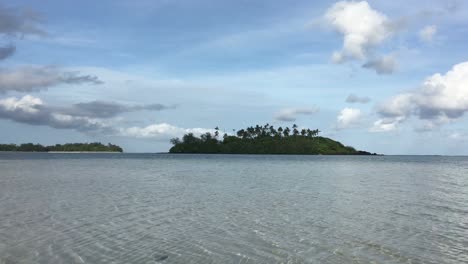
69	147
263	140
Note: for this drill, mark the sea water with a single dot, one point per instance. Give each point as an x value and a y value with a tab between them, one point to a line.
163	208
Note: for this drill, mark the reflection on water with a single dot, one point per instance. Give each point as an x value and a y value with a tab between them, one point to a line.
140	208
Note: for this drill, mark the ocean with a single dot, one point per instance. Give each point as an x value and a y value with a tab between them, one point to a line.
182	208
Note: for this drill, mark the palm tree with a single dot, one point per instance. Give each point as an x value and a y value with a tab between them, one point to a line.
240	133
189	138
280	131
286	132
250	132
316	132
175	141
272	131
303	132
258	129
206	137
295	132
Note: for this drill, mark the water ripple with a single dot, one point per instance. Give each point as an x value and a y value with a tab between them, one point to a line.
232	209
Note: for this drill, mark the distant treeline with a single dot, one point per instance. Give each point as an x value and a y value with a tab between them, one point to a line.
264	139
69	147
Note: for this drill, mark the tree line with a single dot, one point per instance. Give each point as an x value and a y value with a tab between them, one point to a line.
69	147
270	131
262	139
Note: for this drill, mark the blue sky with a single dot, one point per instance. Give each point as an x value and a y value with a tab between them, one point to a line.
384	76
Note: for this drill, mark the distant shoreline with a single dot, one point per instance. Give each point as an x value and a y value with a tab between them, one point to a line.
94	147
52	152
83	152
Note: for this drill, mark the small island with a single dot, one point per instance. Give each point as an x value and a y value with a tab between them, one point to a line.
69	147
263	140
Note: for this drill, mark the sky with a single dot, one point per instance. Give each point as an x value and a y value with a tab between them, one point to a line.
383	76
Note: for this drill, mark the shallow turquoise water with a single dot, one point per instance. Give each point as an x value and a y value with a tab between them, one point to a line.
161	208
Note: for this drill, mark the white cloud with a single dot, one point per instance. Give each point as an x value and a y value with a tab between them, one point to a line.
385	125
427	33
161	131
348	118
442	98
27	104
398	106
363	29
290	114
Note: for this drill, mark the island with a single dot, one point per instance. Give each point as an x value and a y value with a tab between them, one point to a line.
69	147
264	139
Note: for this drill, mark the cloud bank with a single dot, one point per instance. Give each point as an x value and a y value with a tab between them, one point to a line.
36	78
31	110
83	117
440	99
